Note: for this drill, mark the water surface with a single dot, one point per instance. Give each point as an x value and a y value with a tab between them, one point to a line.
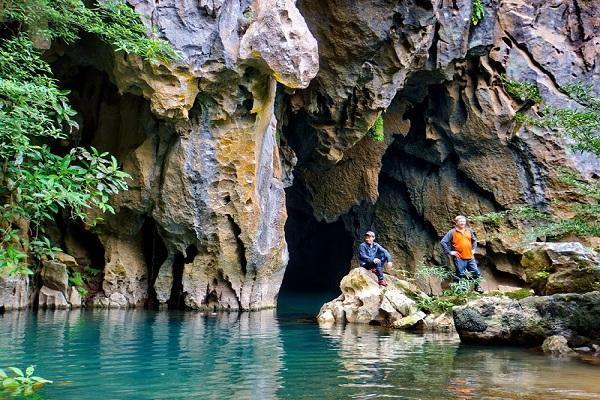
141	354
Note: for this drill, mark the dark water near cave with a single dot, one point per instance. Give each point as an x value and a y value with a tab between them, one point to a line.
270	355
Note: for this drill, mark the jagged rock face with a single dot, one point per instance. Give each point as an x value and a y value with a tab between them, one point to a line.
210	141
452	146
363	301
203	155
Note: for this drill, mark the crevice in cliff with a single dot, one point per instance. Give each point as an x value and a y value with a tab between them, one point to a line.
177	297
155	254
320	252
241	248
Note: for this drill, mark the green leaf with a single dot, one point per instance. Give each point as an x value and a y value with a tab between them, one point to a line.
9	382
40	380
29	371
16	371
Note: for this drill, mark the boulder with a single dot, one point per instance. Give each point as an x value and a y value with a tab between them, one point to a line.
364	301
66	259
568	267
74	298
498	320
557	346
14	293
437	323
52	299
55	276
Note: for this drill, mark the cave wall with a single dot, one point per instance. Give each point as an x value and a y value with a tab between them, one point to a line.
268	92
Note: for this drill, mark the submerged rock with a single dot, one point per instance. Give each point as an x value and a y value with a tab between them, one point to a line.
557	346
364	301
531	320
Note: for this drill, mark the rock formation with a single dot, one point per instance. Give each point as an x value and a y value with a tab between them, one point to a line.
531	320
274	93
363	301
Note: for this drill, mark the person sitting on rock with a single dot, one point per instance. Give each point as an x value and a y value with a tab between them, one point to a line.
460	243
374	257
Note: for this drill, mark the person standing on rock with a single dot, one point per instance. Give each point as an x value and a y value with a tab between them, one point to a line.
374	257
460	243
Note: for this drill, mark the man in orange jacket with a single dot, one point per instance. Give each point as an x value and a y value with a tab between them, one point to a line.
460	242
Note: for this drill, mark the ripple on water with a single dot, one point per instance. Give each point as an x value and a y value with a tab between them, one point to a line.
121	354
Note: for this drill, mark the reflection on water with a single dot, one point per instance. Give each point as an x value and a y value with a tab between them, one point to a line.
120	354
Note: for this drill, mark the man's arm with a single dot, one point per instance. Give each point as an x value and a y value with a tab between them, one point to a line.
362	254
447	241
473	241
386	253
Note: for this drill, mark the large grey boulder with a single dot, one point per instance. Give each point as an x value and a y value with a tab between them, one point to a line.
530	321
52	299
55	276
14	293
364	301
567	267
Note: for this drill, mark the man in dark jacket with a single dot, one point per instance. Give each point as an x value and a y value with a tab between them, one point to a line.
460	243
374	257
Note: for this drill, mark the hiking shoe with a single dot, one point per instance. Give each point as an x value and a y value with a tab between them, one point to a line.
479	289
382	282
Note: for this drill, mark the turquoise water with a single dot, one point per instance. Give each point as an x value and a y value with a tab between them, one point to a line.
144	354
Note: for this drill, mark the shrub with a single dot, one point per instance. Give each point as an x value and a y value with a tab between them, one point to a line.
376	131
36	182
477	12
18	383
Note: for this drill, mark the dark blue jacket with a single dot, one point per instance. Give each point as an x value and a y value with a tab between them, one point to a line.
367	253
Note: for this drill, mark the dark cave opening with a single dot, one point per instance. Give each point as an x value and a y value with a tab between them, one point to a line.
155	254
320	252
177	298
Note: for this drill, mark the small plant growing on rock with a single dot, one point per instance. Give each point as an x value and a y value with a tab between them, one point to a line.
376	131
477	12
426	272
19	383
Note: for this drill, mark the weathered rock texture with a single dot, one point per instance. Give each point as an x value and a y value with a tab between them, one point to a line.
561	268
363	301
202	223
452	146
531	320
270	93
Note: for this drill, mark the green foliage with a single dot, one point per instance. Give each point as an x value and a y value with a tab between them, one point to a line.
458	293
35	182
518	294
112	20
19	383
522	91
455	296
436	271
541	275
496	218
376	131
582	125
477	12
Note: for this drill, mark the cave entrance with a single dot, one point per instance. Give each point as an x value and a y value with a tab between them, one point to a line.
320	252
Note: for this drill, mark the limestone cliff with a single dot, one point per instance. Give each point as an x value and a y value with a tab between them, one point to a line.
271	93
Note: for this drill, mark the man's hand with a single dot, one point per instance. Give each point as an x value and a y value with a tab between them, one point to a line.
389	265
376	260
454	253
